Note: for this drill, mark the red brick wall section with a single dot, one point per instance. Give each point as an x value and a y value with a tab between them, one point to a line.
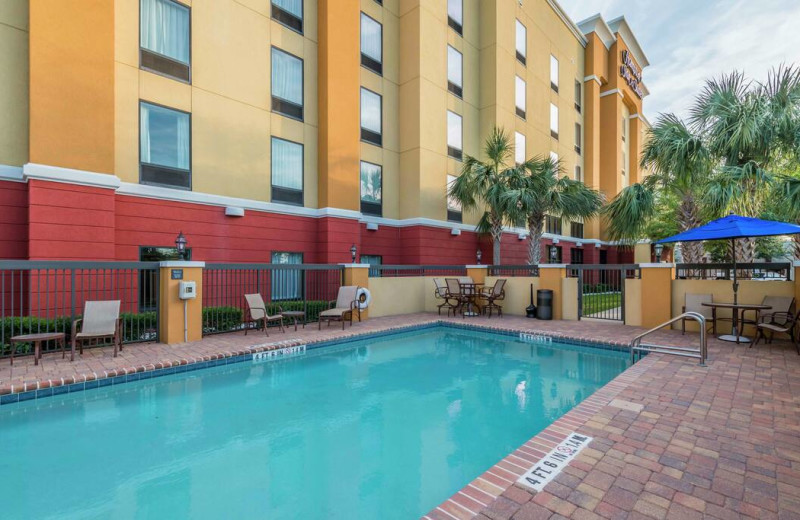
70	222
13	220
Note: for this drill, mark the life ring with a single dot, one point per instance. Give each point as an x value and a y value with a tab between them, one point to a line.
363	297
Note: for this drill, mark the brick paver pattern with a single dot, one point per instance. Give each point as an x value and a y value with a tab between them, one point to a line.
671	439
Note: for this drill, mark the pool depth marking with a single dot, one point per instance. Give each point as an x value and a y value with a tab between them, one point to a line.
535	338
269	355
551	464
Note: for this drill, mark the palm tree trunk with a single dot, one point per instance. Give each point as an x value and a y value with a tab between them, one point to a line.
692	252
497	235
536	227
746	250
796	246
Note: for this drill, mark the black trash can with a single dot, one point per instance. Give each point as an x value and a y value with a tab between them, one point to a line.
544	304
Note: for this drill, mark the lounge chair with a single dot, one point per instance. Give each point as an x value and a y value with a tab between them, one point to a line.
780	312
786	328
257	313
694	303
441	293
345	306
494	294
100	321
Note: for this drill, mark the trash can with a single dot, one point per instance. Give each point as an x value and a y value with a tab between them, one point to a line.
544	304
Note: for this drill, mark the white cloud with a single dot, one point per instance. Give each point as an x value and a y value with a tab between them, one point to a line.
689	41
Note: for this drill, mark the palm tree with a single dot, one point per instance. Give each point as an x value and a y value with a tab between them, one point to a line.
679	163
484	184
542	191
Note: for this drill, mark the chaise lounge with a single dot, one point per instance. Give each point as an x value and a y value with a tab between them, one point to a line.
345	306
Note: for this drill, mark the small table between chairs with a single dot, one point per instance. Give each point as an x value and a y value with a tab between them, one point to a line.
471	291
294	315
736	308
37	340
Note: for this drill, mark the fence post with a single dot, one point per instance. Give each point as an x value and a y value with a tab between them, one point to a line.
648	302
357	274
550	277
171	317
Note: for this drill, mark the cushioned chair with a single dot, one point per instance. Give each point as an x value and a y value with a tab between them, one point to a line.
694	303
780	312
345	306
257	313
100	322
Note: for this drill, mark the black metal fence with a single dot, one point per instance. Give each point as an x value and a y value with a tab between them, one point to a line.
514	270
377	271
775	271
47	296
284	287
601	289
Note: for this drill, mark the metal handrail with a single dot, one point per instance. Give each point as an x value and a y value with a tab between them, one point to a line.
636	343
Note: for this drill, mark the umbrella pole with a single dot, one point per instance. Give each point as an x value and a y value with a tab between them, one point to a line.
735	281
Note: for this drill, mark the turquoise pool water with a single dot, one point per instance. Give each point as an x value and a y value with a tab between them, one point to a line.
381	428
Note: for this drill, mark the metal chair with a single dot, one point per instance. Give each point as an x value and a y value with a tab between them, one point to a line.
492	295
100	321
441	293
257	313
786	328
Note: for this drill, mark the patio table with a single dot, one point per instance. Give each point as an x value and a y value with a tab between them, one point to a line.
295	315
471	291
37	339
736	308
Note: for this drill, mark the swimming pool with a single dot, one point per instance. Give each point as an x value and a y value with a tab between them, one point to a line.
386	427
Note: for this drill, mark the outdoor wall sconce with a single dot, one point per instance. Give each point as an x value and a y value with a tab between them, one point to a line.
478	255
659	248
353	252
180	245
553	254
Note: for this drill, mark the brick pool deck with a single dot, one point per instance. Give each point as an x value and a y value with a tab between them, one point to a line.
671	439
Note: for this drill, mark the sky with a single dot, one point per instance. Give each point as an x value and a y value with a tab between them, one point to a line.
688	41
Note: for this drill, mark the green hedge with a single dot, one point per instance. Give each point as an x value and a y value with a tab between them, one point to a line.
225	319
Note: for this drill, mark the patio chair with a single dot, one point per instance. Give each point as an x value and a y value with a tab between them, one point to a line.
100	321
780	312
454	290
786	328
494	294
694	303
257	313
441	293
345	306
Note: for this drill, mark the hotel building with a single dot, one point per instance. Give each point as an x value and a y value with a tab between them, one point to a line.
289	130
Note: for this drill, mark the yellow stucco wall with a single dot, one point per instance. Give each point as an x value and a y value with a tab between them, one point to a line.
402	295
14	91
518	293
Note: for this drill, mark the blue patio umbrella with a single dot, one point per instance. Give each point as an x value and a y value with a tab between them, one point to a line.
733	227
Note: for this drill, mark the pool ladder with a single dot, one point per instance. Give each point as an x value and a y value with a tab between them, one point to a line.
701	353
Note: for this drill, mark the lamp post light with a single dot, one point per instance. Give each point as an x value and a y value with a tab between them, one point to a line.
553	254
353	251
659	248
478	255
180	245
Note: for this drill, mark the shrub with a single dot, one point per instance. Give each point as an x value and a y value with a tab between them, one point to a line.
221	319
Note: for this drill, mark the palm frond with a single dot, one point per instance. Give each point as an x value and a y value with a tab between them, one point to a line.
628	213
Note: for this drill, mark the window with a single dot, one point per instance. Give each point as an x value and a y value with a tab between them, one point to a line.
372	260
519	148
287	171
287	84
288	13
522	45
578	96
164	38
576	229
554	158
624	128
576	255
453	205
371	121
455	15
520	96
578	173
287	283
455	71
578	138
552	225
371	44
371	189
454	135
148	278
553	120
164	146
553	73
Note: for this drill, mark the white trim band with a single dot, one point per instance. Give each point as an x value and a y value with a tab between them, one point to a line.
68	175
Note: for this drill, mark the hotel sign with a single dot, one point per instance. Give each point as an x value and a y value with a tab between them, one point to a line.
551	464
631	73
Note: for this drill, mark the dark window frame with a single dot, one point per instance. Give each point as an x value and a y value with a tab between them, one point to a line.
157	168
576	255
520	58
290	196
456	90
374	209
578	95
278	103
369	136
147	54
576	229
456	26
368	62
153	275
553	225
301	273
286	18
453	152
578	135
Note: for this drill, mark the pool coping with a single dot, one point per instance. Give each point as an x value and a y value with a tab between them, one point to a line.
39	389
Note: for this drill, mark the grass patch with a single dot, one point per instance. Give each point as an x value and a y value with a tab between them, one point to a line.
596	303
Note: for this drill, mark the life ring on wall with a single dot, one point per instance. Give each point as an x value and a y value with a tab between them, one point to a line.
363	297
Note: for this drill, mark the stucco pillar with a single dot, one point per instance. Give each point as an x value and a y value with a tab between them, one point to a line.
550	277
173	314
648	301
357	274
